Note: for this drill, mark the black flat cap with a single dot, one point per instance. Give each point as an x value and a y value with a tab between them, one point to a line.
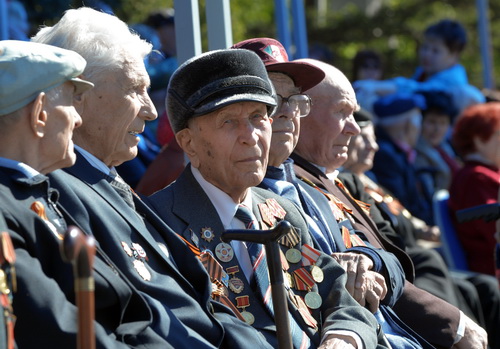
214	80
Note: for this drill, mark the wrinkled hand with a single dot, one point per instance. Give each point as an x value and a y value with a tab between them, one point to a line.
475	336
337	341
365	286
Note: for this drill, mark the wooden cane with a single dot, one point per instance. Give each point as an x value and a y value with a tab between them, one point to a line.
270	240
79	250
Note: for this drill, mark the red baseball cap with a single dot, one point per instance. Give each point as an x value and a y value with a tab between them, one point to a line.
275	58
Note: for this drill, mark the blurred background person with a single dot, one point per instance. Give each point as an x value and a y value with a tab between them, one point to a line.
476	138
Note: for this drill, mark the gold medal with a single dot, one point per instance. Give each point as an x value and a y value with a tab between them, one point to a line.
207	234
317	273
313	300
224	252
249	318
288	280
293	255
140	267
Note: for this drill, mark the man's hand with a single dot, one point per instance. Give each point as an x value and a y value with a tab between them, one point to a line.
475	337
338	341
367	287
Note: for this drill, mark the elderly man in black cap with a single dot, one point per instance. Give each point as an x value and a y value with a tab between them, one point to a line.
39	85
221	120
140	245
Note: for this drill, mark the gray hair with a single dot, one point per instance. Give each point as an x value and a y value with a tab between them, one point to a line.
104	40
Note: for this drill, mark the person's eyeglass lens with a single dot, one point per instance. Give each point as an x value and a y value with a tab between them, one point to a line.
299	103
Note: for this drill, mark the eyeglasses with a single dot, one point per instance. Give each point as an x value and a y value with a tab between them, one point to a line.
299	103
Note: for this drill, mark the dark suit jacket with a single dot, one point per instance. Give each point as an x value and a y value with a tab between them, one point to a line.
171	279
186	208
434	319
45	302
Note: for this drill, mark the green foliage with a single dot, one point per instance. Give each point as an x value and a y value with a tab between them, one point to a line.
394	31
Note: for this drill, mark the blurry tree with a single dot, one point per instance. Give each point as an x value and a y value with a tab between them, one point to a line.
394	30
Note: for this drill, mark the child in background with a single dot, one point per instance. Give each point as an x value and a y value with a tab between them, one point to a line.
439	70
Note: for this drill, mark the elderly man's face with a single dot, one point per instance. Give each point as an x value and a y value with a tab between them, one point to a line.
114	113
62	119
286	126
362	149
230	146
326	132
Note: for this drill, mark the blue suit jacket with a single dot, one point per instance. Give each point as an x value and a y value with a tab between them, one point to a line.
45	300
178	289
186	208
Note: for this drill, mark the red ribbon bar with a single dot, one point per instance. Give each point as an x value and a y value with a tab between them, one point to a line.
309	255
242	302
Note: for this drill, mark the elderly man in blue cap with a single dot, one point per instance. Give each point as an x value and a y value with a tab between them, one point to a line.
39	85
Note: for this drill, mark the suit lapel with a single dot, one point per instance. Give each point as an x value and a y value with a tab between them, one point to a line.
96	181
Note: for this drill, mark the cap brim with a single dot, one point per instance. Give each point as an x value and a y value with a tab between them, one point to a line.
81	85
304	75
242	97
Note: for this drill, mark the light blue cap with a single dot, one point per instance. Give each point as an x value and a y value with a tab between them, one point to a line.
28	68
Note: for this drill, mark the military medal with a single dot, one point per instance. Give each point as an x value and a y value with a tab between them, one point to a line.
142	270
224	252
235	284
138	251
195	239
127	249
317	274
293	255
241	303
287	278
305	282
313	300
304	312
309	257
276	209
207	234
266	214
290	239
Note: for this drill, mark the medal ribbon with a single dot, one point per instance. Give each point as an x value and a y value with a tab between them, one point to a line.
276	209
309	255
233	270
303	279
242	302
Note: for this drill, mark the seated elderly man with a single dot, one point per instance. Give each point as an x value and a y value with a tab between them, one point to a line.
221	120
143	248
375	276
320	151
38	86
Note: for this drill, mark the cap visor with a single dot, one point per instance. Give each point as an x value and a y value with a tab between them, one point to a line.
81	85
303	74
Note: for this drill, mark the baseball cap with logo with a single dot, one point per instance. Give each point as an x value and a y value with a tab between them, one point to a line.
275	58
29	68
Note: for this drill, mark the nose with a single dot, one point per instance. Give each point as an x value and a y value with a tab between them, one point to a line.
148	110
351	127
248	133
78	119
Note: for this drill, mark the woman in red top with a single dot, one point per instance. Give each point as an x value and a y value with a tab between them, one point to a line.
476	138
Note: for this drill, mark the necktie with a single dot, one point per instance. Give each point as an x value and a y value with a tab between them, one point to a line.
122	188
261	275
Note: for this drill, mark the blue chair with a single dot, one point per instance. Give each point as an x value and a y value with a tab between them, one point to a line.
451	248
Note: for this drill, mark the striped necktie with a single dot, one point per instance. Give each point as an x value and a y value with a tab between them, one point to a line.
261	275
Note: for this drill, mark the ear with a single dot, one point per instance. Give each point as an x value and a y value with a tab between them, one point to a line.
38	115
186	141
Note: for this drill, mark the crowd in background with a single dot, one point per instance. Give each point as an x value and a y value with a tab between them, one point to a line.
418	135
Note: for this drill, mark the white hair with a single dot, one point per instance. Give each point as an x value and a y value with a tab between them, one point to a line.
104	40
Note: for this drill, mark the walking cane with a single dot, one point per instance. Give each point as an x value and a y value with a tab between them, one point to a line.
269	238
79	250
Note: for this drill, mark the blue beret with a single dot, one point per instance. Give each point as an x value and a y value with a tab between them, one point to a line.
28	68
398	103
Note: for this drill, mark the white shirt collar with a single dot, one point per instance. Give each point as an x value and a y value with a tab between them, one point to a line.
95	162
223	203
27	170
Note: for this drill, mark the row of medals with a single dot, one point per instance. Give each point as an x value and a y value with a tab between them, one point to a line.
225	253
